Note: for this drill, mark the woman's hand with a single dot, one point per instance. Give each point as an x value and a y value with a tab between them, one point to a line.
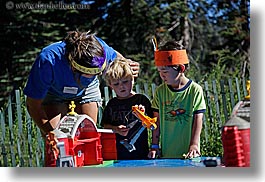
135	67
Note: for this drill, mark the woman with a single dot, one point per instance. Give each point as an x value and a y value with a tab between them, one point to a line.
68	71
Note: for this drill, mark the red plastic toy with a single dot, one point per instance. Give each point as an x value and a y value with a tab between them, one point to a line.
77	142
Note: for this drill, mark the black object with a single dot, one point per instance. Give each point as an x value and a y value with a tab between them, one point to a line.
210	162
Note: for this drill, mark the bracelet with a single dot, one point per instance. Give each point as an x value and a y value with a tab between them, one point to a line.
154	146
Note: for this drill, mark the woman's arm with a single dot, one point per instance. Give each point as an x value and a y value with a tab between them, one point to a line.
38	115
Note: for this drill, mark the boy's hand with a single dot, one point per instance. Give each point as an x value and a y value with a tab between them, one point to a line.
193	152
140	107
122	130
153	153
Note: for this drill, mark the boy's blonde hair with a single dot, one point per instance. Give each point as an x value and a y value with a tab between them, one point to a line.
118	69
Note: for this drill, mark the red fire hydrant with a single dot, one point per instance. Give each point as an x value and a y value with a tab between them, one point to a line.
236	135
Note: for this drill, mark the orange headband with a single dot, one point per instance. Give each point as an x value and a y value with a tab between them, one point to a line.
169	58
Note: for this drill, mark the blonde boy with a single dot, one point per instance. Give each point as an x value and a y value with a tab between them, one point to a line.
118	116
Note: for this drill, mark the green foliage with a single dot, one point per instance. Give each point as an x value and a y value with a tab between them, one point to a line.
210	34
213	146
23	146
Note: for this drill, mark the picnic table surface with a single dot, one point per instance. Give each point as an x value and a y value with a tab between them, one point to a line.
194	162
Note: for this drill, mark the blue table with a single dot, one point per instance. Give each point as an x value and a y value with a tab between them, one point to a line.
152	163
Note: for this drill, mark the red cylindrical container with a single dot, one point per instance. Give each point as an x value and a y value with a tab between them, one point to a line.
236	142
245	136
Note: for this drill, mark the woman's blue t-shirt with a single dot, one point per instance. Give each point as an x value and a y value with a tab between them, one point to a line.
52	73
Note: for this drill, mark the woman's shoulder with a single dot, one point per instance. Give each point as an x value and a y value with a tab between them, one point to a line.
109	51
54	47
53	52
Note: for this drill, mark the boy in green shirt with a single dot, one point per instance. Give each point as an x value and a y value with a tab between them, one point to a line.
178	104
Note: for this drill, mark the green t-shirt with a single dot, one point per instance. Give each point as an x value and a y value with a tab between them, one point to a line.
176	110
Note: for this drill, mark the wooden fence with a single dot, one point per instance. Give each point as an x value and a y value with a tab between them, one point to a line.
21	143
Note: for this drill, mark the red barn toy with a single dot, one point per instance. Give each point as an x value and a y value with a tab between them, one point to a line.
77	142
